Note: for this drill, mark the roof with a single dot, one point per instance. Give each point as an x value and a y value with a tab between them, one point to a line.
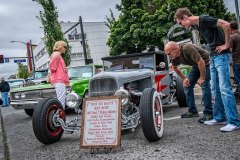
133	55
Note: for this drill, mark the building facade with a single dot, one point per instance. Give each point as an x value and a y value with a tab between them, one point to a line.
96	35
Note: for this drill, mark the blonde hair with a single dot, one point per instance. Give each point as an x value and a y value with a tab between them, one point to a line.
58	45
181	12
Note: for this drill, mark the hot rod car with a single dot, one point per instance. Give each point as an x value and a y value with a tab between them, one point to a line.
143	82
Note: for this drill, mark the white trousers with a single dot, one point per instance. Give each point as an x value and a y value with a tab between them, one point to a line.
61	93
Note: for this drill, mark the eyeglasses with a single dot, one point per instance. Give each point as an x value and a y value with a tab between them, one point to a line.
65	47
170	52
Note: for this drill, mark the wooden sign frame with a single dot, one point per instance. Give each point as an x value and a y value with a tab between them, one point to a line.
96	101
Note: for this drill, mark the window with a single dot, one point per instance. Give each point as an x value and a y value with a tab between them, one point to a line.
76	36
40	54
44	66
75	56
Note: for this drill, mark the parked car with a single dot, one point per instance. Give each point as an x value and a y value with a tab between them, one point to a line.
38	77
16	83
28	97
143	82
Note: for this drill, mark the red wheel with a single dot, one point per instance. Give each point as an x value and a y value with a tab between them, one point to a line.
43	123
54	131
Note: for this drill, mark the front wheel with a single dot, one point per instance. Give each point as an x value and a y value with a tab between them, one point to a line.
151	114
43	123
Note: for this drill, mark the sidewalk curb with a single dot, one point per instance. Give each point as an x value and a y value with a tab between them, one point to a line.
4	149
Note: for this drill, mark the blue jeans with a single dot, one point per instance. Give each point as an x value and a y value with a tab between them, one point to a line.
5	98
236	72
224	100
193	77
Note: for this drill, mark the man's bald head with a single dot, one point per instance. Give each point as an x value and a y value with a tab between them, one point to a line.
172	49
170	45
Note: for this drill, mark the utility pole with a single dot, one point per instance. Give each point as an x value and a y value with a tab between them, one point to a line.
30	57
33	63
237	11
83	40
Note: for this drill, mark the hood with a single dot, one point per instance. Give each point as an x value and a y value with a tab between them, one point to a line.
34	87
78	80
46	86
125	75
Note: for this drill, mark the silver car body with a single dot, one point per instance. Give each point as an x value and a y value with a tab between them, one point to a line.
137	72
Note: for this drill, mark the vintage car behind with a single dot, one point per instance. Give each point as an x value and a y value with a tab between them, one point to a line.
38	77
28	97
143	82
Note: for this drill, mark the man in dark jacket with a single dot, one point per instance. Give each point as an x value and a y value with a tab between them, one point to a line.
4	88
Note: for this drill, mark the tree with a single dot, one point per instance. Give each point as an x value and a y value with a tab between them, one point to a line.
52	28
143	24
110	20
22	71
122	36
88	50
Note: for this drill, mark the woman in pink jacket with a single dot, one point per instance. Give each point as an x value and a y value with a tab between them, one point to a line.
59	75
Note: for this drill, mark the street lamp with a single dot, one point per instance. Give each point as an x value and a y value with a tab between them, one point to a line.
29	51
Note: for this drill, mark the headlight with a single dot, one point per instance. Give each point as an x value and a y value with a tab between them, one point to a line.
73	100
17	95
124	94
23	95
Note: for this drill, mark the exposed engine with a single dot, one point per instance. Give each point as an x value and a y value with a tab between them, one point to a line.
130	102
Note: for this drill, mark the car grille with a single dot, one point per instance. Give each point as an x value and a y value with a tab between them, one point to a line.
36	94
102	87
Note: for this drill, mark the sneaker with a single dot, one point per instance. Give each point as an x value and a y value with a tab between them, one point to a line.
189	115
205	118
214	122
229	128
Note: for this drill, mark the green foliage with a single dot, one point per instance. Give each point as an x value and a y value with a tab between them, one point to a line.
110	20
22	71
52	28
143	24
88	50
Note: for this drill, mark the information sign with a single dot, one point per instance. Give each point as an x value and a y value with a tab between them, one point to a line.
19	60
101	124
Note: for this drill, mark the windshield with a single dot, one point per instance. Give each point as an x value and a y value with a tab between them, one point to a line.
42	74
80	72
16	83
130	63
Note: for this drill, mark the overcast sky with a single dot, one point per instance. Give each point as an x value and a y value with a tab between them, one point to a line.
19	22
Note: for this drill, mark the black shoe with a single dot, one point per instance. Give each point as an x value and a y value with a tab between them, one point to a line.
205	118
189	115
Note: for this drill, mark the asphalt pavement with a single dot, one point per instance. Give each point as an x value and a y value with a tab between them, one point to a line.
182	139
